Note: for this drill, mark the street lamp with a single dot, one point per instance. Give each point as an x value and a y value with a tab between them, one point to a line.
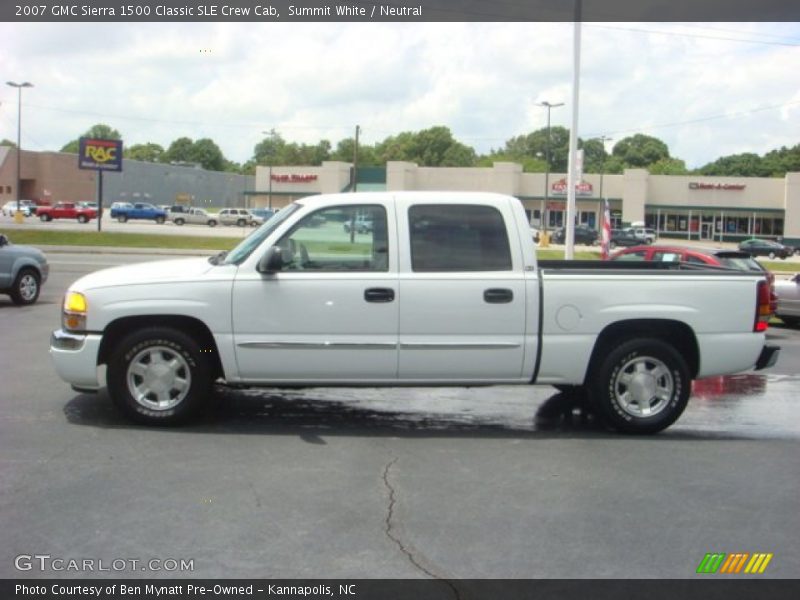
548	106
602	139
272	134
19	87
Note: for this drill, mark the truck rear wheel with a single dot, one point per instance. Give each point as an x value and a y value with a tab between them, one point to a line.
83	219
158	376
159	220
641	386
178	221
122	218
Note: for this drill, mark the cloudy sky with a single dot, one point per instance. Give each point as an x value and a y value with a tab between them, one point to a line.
706	89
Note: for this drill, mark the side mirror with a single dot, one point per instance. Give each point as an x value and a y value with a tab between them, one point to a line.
3	240
271	262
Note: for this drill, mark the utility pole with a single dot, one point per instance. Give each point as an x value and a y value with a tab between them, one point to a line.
19	87
548	106
355	160
272	135
569	252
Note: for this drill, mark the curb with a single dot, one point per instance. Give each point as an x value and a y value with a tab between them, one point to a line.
124	250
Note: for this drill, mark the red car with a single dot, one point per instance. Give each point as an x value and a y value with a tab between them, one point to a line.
66	210
715	257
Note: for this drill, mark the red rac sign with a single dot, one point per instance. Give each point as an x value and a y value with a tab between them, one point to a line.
736	187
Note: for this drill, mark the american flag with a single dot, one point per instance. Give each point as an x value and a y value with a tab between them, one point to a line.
605	232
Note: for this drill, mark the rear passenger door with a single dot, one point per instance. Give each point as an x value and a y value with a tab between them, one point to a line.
462	293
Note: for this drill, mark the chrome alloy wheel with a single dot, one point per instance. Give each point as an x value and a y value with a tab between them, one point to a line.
28	287
158	378
644	386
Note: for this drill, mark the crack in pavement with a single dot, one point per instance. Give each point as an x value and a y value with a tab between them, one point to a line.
389	523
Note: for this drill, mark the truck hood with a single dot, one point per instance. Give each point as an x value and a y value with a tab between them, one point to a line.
160	271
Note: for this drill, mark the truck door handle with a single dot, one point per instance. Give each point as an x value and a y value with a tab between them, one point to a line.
379	295
498	296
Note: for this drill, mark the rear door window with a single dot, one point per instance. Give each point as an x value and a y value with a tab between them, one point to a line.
458	238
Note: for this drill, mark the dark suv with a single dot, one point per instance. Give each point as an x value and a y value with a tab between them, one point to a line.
583	235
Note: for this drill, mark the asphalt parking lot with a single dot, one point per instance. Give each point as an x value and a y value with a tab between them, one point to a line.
500	482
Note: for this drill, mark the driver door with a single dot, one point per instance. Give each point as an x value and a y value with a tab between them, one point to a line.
331	312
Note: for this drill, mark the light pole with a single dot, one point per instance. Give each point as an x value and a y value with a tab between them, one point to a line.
602	139
548	106
272	135
19	87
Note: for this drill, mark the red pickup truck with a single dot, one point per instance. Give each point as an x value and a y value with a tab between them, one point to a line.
66	210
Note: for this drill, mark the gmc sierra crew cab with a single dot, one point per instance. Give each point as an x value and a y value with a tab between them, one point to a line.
445	289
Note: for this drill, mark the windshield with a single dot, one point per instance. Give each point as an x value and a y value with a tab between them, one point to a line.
253	241
742	263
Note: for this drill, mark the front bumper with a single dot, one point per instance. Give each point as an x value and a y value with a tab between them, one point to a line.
768	357
75	358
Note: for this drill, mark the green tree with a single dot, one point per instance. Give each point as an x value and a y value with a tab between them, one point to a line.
640	150
538	144
179	151
100	131
747	164
205	152
367	156
148	152
668	166
7	142
777	163
594	156
269	150
433	147
529	164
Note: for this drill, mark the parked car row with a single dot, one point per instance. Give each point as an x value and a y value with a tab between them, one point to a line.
630	236
83	212
27	207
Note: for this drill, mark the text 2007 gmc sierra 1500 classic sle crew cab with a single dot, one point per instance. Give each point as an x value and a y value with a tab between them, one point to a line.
444	289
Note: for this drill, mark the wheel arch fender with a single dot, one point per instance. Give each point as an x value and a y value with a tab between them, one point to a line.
675	333
199	331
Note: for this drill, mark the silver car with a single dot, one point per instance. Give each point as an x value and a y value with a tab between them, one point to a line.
788	292
23	270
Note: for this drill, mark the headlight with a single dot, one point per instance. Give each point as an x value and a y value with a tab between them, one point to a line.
73	317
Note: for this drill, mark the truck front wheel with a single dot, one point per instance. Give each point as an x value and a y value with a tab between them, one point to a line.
158	376
641	386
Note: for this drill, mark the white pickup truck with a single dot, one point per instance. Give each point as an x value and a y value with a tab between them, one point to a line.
443	290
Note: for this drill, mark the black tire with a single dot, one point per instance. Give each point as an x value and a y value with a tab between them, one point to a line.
241	222
650	368
26	287
83	219
178	221
122	218
612	244
46	218
159	220
771	255
181	385
212	223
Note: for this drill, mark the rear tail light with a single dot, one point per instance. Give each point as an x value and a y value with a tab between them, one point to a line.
764	308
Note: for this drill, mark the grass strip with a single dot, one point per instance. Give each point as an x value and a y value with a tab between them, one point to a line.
119	240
